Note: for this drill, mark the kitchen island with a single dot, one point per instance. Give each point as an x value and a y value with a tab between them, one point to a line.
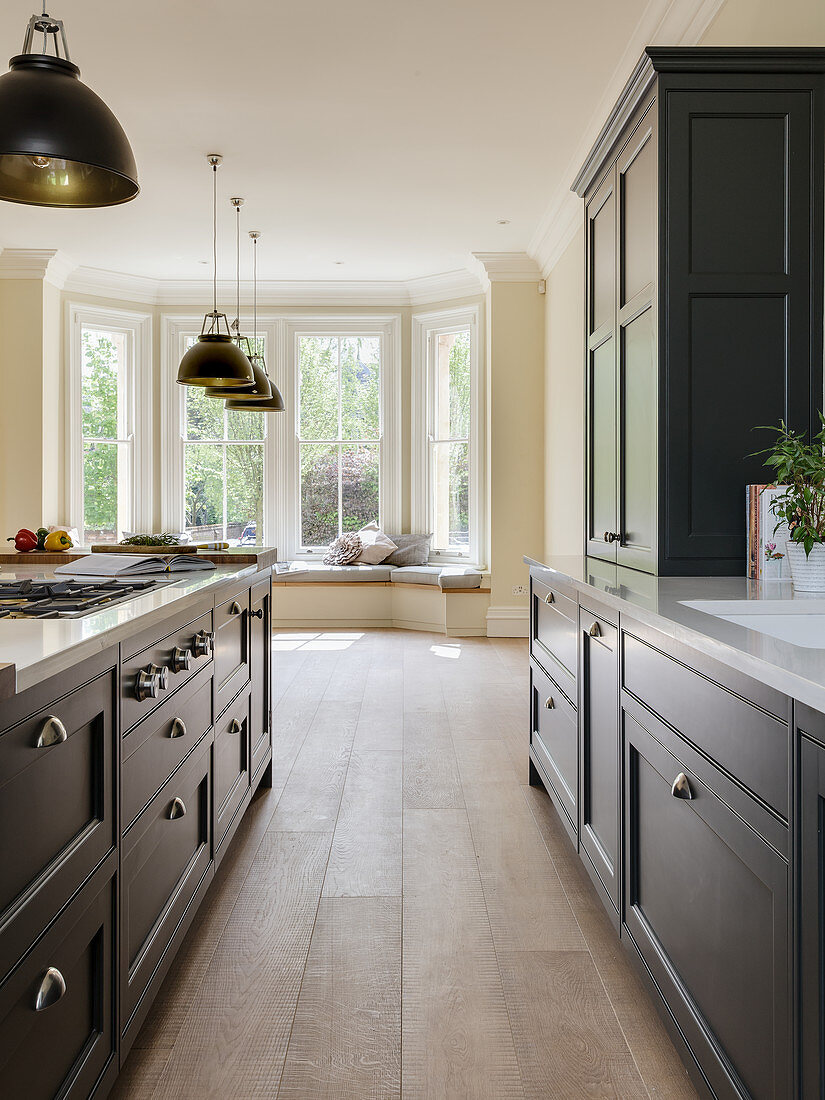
678	725
132	739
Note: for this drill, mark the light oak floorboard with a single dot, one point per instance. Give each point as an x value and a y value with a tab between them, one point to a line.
401	916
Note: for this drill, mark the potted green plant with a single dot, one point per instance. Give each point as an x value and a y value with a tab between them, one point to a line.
799	467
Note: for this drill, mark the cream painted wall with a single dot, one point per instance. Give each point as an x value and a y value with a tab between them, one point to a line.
516	418
31	458
564	402
768	23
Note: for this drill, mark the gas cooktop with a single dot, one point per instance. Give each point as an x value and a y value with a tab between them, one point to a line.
32	599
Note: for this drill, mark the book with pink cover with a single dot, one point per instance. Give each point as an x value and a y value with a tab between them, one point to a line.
766	554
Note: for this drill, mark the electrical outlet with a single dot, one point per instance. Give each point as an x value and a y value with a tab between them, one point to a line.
519	589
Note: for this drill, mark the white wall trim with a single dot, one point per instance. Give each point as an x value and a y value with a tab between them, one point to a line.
663	22
508	622
272	293
504	267
48	264
138	326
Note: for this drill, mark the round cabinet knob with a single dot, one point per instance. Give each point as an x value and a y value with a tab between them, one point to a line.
202	644
162	673
181	659
612	536
52	732
146	684
259	614
52	987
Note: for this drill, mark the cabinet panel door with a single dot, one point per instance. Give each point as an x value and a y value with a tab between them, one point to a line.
706	903
812	919
601	221
744	328
638	396
637	213
554	740
599	748
260	663
231	648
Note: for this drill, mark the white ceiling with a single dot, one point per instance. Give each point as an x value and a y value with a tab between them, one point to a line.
389	136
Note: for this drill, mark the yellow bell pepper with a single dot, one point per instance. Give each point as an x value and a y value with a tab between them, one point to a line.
57	540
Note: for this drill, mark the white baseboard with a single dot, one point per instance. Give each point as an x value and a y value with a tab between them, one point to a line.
508	622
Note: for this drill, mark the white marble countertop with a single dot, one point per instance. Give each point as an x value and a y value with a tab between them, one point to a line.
796	670
39	648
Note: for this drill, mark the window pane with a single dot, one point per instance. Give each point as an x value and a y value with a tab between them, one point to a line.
105	467
359	486
319	494
245	425
103	354
318	364
203	487
360	363
450	477
204	415
452	378
245	490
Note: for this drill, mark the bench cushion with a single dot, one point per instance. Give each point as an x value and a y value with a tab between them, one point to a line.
314	573
447	576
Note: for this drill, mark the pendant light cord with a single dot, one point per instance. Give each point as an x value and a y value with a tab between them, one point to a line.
255	293
214	242
238	271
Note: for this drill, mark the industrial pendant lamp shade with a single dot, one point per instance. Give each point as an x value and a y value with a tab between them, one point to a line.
247	401
215	359
261	389
60	145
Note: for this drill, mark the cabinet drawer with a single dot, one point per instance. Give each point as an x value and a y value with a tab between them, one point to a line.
165	855
554	634
231	648
706	903
56	809
180	654
554	737
158	744
749	743
62	1048
232	775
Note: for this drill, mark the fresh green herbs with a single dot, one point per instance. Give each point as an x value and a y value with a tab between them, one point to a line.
150	540
800	466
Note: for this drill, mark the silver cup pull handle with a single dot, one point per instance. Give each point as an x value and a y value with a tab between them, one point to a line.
681	787
549	598
177	809
595	631
52	987
52	732
235	726
178	728
550	702
235	608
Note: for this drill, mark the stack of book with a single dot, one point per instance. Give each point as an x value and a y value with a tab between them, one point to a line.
766	541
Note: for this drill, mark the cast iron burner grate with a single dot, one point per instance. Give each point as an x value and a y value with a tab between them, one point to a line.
34	599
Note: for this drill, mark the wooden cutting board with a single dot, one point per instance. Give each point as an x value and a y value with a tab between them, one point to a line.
147	548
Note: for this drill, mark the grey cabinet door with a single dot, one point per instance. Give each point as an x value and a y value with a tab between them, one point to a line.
601	514
812	918
636	386
599	770
706	904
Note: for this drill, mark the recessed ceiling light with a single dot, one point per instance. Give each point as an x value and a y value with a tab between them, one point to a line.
503	221
338	263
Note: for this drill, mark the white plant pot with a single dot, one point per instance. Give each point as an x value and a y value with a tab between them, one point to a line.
807	573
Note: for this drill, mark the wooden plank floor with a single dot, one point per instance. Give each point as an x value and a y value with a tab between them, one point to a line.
401	916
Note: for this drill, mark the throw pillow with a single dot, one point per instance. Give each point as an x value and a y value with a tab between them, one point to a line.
344	550
375	545
412	550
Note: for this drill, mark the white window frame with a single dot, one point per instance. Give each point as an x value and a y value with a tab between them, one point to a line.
388	329
175	330
137	327
427	327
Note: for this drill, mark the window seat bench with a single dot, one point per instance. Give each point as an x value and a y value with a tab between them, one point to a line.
448	599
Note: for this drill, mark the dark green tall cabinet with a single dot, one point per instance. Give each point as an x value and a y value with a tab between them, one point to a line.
704	297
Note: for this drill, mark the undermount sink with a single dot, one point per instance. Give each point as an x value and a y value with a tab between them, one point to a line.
800	622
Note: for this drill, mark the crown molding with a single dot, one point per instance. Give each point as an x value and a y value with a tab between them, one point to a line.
671	22
138	289
47	264
504	267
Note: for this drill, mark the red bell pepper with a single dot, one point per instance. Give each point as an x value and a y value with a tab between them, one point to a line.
24	540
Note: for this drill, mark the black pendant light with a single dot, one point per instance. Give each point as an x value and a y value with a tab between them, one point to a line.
241	401
261	388
60	145
215	360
